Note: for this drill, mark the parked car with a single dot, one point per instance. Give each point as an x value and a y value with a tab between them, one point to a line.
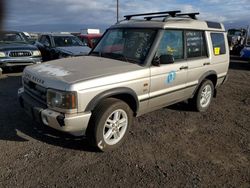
15	50
90	39
58	45
150	67
245	52
236	40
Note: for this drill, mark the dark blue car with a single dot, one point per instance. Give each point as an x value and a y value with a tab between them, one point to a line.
245	52
60	45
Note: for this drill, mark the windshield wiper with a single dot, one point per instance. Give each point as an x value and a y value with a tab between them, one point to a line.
115	56
95	53
121	57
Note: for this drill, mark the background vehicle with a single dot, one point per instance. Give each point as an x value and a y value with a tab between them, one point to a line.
137	67
57	45
236	40
15	50
90	39
245	52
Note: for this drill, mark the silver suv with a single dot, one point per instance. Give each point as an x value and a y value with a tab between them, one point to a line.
138	66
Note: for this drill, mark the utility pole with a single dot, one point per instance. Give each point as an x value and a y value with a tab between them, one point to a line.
117	11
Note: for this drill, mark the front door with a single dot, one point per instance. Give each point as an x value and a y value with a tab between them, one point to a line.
168	81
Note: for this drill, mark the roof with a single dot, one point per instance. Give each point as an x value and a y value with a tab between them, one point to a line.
10	31
90	35
57	34
171	19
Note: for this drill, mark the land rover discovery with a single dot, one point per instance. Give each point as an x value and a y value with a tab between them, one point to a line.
139	65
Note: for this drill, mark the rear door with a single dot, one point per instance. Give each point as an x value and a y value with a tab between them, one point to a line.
197	58
168	81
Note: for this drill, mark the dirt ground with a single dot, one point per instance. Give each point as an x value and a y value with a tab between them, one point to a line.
171	147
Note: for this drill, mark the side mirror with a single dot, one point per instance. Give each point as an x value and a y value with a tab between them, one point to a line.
166	59
163	59
156	61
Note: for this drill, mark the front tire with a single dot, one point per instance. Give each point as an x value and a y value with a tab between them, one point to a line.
204	96
110	124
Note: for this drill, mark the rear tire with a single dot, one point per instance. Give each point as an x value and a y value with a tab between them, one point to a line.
204	95
109	124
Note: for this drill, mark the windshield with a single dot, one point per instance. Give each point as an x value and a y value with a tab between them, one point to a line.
131	45
234	32
64	41
12	37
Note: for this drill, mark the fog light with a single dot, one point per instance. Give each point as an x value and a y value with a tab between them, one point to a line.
60	120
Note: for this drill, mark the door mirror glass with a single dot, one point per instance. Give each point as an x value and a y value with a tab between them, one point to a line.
163	59
166	59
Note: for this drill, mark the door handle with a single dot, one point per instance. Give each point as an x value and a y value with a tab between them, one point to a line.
208	63
183	67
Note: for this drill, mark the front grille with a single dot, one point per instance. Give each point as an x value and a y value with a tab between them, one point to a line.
36	91
20	53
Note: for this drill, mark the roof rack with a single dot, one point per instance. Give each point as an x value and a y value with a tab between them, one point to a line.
191	15
171	13
166	16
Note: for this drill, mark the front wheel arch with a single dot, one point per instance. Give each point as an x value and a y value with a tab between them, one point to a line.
97	126
124	94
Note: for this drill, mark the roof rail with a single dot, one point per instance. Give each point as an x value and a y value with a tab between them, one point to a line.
166	16
171	13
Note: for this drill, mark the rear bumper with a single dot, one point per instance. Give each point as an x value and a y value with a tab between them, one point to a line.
74	124
22	61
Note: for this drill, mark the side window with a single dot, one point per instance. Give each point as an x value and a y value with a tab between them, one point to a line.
196	45
42	39
218	41
45	40
172	44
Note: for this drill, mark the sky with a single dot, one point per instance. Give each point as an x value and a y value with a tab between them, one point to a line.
73	15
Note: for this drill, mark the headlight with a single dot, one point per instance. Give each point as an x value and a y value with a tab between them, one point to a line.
36	53
2	54
60	99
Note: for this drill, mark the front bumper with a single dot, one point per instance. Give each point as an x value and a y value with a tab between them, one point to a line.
22	61
74	124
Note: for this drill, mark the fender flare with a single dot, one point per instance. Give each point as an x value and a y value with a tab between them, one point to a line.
112	92
206	74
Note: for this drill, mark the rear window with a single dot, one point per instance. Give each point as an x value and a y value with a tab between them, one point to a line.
218	41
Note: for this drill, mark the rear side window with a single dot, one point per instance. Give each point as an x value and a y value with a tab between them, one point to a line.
218	41
196	44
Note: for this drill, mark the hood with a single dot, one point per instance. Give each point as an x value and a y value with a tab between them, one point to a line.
16	46
74	50
64	72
